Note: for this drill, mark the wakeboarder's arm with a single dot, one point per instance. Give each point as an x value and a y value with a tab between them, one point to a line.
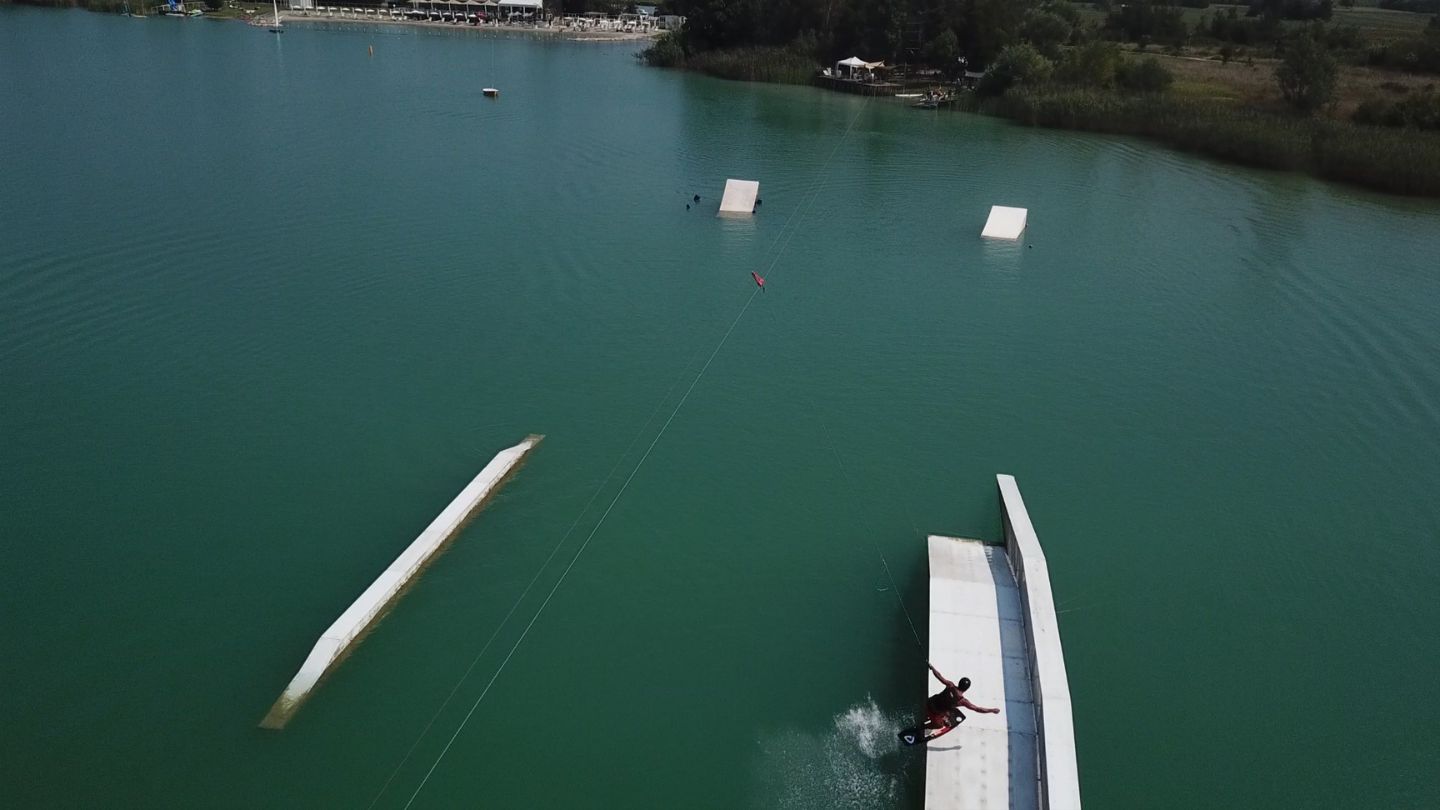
964	701
939	676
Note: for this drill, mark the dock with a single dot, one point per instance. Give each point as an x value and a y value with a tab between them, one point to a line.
992	620
382	593
862	88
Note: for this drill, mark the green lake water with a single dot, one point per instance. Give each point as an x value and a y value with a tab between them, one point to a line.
267	304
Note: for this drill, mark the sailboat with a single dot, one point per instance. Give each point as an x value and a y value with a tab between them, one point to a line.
275	27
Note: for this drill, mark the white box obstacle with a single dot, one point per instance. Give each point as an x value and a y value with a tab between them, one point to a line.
1005	222
739	197
365	610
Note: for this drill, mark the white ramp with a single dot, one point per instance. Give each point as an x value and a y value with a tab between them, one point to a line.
1005	222
739	197
372	603
977	632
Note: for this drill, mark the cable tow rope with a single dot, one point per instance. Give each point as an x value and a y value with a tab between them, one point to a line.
801	211
506	620
873	542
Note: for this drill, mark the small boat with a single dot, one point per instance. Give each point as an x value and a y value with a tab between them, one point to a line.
933	99
490	92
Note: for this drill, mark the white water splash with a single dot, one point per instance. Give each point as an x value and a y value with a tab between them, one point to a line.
858	765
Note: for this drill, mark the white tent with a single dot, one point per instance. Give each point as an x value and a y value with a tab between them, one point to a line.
1005	222
854	65
739	197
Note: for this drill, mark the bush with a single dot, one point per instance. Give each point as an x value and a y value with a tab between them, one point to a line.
665	52
1093	64
1307	73
1016	65
757	64
1145	76
1416	55
1292	9
1419	6
1420	111
1147	21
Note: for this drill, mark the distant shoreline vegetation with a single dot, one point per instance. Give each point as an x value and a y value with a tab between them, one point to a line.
1315	86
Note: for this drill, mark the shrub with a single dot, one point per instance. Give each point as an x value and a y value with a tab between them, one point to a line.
1144	76
1147	21
756	64
1415	55
1093	64
664	52
1016	65
1420	111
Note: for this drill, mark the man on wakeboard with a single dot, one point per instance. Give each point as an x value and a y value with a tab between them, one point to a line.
943	710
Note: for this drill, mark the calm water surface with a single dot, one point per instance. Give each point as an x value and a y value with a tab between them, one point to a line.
267	304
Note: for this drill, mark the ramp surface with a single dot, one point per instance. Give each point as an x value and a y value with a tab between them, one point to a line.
1005	222
977	632
739	199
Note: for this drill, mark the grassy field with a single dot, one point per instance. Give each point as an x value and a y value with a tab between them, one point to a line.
1253	82
1378	25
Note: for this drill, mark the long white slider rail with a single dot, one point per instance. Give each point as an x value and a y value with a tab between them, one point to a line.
365	610
992	619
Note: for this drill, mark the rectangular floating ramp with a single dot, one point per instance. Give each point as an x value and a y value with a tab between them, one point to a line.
992	620
1005	222
739	197
387	588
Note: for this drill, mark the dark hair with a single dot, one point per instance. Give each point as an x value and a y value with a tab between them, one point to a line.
963	684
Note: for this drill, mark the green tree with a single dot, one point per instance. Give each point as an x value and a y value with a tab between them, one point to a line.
722	23
1047	32
1016	65
1306	74
944	51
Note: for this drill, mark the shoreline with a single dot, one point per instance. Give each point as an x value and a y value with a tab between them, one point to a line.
291	17
1400	161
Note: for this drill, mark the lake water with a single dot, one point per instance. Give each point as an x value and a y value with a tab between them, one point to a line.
267	304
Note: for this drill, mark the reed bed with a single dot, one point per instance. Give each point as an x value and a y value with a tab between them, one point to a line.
1402	162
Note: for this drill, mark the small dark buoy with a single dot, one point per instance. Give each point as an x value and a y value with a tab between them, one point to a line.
687	206
697	198
1029	246
758	201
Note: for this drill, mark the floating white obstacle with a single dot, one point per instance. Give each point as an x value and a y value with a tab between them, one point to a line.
739	197
383	591
1005	222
